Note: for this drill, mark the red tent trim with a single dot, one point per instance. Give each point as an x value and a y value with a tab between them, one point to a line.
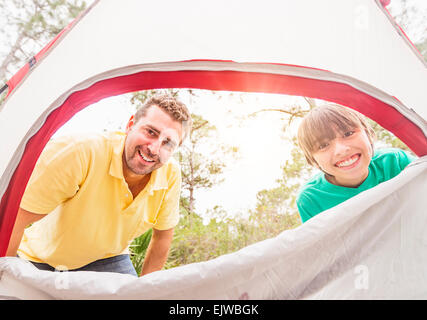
16	79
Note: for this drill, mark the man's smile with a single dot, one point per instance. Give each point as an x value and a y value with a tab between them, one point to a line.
145	158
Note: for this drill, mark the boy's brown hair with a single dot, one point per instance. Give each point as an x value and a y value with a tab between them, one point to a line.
321	124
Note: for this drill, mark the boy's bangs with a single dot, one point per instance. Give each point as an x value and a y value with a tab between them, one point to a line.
324	127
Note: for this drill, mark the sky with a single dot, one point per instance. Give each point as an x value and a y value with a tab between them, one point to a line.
262	149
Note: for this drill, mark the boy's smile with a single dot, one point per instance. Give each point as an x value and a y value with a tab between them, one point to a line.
345	159
349	162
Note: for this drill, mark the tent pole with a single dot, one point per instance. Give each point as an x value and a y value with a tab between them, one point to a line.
3	88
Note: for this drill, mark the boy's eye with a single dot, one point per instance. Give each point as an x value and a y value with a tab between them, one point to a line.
323	145
348	133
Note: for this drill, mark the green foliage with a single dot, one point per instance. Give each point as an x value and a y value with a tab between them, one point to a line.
138	98
422	48
202	159
386	138
276	207
193	241
138	248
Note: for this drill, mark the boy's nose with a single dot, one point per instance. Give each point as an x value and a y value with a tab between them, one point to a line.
341	148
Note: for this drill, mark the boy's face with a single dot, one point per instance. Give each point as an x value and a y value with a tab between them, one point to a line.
345	158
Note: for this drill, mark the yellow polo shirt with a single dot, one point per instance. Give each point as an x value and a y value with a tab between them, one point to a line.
91	214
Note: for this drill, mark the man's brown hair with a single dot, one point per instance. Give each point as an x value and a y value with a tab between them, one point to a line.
322	123
175	108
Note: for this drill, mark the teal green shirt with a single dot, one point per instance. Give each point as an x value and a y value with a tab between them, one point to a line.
318	194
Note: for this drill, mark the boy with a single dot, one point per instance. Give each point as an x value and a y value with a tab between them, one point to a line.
339	142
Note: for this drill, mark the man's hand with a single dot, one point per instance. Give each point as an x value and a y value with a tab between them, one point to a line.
23	219
158	251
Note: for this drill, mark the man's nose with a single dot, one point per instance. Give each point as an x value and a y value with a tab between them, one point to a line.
154	147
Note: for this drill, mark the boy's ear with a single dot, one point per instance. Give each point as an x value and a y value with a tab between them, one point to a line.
314	164
372	137
310	160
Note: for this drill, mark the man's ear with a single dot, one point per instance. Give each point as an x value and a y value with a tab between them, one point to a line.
130	124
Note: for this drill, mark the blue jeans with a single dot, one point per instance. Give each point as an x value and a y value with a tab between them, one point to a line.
119	264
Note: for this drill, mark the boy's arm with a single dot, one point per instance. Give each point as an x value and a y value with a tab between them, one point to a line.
303	212
405	158
23	219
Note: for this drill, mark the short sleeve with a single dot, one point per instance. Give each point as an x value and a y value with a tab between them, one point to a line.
56	177
168	215
303	207
404	158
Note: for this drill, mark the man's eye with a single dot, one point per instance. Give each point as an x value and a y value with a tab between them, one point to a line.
169	144
150	132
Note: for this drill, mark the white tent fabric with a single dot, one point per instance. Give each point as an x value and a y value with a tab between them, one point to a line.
372	246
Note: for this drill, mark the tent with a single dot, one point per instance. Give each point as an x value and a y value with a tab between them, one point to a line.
348	52
368	247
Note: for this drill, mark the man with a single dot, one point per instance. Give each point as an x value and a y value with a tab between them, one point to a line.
89	197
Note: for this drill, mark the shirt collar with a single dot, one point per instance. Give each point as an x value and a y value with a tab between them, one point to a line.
158	179
116	165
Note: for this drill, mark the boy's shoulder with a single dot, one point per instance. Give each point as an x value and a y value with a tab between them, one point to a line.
313	183
383	152
394	153
389	162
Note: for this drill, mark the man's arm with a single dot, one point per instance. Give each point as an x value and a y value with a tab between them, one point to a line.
23	219
158	251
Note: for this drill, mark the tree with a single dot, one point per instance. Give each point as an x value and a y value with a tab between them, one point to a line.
385	138
413	19
276	209
30	25
202	160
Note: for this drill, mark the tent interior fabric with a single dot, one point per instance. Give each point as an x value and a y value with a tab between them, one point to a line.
351	53
369	247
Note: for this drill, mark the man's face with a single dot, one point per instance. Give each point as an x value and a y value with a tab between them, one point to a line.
346	158
150	141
